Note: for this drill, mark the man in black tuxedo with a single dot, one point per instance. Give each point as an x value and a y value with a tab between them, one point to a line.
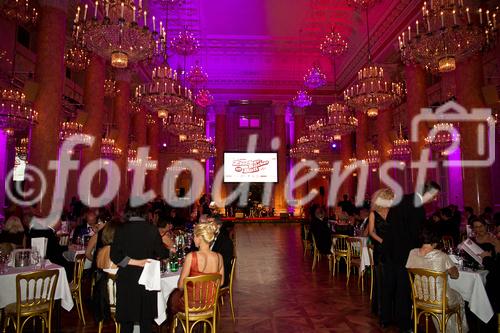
406	220
223	244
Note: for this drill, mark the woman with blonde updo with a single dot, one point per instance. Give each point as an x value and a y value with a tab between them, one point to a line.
201	262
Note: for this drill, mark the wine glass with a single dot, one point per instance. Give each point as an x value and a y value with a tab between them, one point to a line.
4	259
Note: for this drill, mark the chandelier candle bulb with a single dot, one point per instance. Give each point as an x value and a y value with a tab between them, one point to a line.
428	23
468	15
418	32
409	33
454	17
95	9
442	20
145	19
85	12
77	14
154	24
107	10
480	16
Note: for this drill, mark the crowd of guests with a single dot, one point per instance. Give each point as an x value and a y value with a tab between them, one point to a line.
122	244
406	236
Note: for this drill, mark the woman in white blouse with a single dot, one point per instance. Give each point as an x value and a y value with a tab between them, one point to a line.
428	257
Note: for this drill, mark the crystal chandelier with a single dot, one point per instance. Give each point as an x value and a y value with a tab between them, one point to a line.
334	44
362	4
445	134
164	94
448	32
314	78
177	165
373	158
309	146
351	164
69	128
339	121
184	124
185	43
196	76
203	98
168	4
16	114
401	148
109	149
110	89
198	145
302	99
133	161
122	34
324	168
22	147
77	58
22	12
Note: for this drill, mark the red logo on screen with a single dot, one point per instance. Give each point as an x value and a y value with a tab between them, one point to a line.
249	166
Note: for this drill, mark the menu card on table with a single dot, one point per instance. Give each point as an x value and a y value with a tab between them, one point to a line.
472	249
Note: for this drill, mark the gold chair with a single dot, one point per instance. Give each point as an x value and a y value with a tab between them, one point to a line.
429	299
448	242
112	302
355	248
76	285
228	290
34	298
317	255
200	303
340	250
305	240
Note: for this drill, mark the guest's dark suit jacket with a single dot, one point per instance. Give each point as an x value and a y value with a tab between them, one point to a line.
54	250
322	235
405	223
224	245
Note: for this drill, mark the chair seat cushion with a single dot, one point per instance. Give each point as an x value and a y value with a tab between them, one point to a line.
434	307
11	309
196	315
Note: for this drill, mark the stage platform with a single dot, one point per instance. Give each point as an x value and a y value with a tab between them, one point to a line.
270	219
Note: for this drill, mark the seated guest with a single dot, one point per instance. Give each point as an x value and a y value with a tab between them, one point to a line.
201	262
134	243
469	215
13	232
93	245
103	259
482	237
487	216
165	229
321	231
54	251
491	262
223	245
176	219
87	228
428	257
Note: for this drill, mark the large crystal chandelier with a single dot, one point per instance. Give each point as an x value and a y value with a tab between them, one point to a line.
165	95
373	158
334	44
314	78
16	114
185	43
203	98
445	134
185	123
22	12
302	99
109	149
309	146
401	148
339	121
372	92
196	76
134	161
198	145
447	32
121	35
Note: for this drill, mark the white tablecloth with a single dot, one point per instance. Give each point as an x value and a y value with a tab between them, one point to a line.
365	255
168	283
73	251
471	286
8	285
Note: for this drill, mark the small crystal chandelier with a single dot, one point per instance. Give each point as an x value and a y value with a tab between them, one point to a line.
401	148
334	44
339	121
177	165
184	124
314	78
196	76
22	147
445	134
69	128
185	43
164	94
109	149
302	99
198	145
203	98
110	89
351	163
324	168
16	114
309	146
22	12
373	158
133	161
77	58
118	35
448	32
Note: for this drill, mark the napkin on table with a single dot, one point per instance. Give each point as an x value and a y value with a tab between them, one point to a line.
40	244
150	279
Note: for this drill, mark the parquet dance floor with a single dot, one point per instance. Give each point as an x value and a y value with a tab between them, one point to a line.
275	290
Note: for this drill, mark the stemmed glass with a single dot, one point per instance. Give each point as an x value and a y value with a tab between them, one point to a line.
4	259
35	257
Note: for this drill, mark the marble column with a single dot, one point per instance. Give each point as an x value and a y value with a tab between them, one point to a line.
476	181
384	128
122	122
299	121
140	128
346	152
93	101
220	143
280	204
50	76
154	178
362	136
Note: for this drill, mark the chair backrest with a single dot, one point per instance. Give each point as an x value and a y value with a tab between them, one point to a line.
355	247
36	289
448	242
370	254
428	288
340	245
314	242
201	294
112	291
231	275
305	229
64	239
78	269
